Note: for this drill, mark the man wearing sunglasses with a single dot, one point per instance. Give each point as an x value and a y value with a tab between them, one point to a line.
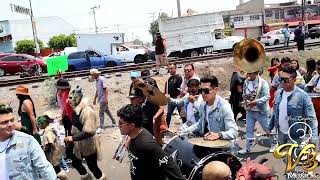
293	105
216	116
147	159
256	99
21	156
314	83
190	102
285	62
189	73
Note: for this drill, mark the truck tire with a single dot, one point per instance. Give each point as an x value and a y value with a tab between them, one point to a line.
276	42
71	68
2	72
194	53
111	64
140	59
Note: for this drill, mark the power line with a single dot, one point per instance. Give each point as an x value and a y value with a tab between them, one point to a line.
94	16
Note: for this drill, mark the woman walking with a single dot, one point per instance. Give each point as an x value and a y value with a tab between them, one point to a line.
27	112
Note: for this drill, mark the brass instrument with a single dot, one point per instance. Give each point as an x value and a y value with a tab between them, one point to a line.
120	152
249	55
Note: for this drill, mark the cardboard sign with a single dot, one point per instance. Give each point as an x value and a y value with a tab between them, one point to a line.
56	63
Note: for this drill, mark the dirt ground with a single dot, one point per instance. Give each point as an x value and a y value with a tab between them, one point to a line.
43	93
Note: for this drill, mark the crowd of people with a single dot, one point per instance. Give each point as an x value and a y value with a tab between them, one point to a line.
37	146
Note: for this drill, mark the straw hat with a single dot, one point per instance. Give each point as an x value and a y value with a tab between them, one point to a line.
94	71
22	90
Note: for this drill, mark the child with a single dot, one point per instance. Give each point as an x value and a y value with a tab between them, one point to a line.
51	145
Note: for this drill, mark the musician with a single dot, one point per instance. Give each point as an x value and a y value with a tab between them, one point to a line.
151	113
191	103
256	97
292	105
236	86
147	159
314	83
285	62
216	116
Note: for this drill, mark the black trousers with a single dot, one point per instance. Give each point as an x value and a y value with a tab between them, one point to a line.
235	100
69	146
92	165
300	44
57	169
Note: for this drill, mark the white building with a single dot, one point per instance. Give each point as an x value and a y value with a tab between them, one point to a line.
12	31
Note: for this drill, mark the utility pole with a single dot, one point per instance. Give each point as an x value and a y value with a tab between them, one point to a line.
179	8
303	5
94	16
34	31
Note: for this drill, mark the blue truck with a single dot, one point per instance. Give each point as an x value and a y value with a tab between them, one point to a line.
84	60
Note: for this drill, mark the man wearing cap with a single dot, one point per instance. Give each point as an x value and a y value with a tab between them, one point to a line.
134	78
21	156
151	113
86	142
146	77
161	54
102	96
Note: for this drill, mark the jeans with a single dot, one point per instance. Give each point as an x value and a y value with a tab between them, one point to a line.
252	118
92	165
171	107
63	164
286	41
105	109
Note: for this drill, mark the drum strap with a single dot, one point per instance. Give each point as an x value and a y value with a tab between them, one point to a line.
206	130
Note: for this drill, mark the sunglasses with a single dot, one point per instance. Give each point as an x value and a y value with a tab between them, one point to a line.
187	70
204	90
284	80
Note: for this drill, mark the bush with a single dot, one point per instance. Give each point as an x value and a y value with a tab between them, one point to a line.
26	46
61	41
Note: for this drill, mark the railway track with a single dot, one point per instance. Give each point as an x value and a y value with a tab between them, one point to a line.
146	65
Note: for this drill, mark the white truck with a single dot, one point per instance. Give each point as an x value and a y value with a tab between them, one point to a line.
195	35
110	44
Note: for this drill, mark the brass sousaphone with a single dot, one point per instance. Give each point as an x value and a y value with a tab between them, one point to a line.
249	55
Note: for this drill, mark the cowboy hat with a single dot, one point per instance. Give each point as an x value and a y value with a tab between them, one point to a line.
22	90
94	71
62	84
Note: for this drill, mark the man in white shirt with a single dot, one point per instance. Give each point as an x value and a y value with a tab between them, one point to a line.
293	105
189	73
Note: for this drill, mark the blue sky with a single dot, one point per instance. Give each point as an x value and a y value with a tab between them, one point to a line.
131	16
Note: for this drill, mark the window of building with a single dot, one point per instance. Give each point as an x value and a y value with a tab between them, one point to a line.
281	13
277	14
254	17
268	13
238	19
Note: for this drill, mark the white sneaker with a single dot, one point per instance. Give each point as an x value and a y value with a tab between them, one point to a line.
99	131
244	151
273	147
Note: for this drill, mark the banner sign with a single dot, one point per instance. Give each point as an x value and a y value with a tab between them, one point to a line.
19	9
56	63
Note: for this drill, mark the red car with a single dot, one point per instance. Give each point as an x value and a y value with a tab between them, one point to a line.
11	64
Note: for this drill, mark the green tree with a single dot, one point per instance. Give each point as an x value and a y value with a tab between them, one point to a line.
154	25
61	41
26	46
137	42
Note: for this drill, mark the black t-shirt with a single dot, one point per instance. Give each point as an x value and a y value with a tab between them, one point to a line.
174	82
149	162
148	111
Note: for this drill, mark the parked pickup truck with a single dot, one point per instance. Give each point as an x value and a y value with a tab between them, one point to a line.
83	60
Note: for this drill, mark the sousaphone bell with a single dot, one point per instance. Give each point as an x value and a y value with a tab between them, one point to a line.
249	55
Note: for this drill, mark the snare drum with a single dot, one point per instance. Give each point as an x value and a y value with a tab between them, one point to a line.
315	97
192	158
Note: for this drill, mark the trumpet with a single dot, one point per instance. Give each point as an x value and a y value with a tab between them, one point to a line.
121	150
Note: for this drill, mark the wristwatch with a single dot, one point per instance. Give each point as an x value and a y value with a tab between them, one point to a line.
220	135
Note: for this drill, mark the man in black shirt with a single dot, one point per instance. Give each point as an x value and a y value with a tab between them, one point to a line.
172	88
147	159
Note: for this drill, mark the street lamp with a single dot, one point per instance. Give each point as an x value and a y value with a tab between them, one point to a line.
34	31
